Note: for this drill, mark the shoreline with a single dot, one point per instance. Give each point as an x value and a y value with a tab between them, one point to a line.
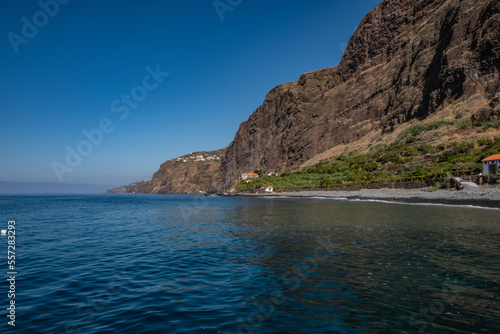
485	197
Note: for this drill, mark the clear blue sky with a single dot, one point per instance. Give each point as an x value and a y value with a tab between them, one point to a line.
65	76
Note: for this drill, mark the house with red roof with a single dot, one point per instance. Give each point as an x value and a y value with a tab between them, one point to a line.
245	176
268	189
491	165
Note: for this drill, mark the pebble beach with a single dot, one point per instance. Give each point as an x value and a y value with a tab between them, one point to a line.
484	196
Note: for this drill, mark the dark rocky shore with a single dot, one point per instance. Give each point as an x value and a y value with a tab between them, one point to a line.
473	196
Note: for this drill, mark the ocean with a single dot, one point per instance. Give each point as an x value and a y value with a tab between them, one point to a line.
126	263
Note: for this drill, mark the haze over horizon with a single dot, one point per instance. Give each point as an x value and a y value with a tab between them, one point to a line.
104	92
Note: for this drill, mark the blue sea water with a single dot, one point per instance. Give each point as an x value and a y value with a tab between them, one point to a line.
204	264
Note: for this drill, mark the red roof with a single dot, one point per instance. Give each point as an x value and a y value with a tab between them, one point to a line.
251	174
492	157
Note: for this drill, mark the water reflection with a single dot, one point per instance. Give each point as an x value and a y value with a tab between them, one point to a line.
243	265
345	267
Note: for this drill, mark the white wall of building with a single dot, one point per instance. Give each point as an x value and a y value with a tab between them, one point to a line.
487	164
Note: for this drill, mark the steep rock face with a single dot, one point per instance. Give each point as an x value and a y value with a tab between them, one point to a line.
408	59
190	173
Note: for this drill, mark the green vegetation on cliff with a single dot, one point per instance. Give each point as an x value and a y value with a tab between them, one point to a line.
407	160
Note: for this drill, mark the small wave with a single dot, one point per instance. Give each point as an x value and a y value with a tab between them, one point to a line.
335	198
403	201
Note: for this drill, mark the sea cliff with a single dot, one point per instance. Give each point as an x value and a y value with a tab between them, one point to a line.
408	61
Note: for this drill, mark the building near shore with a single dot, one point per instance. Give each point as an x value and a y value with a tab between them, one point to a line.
491	165
245	176
268	189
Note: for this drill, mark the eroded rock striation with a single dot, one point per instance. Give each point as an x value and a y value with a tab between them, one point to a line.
408	59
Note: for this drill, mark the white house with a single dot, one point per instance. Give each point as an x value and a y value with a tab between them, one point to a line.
245	176
491	165
268	189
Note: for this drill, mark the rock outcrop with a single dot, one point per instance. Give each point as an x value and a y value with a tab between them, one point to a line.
139	187
191	173
408	59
